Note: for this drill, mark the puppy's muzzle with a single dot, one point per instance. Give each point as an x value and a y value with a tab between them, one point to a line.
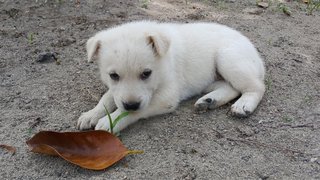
131	106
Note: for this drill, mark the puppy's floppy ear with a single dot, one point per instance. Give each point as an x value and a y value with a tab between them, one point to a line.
93	47
159	44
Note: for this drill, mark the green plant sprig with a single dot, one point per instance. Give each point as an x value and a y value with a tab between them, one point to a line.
114	122
312	5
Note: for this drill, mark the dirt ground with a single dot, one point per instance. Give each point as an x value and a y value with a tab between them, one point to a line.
281	140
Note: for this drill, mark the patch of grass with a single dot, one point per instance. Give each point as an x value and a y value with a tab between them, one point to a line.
268	82
312	6
285	9
287	118
114	122
29	132
145	3
30	38
221	5
269	42
307	99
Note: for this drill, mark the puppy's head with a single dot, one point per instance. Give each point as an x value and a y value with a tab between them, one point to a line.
131	65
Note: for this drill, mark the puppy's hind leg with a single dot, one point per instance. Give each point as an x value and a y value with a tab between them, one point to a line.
221	93
252	93
244	70
89	119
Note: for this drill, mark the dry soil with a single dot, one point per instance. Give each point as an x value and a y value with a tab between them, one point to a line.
281	140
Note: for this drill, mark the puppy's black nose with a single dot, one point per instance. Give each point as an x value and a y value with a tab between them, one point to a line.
131	106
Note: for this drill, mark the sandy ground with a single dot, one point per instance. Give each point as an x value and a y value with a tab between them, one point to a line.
281	140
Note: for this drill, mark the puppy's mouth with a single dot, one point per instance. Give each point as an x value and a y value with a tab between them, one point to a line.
133	112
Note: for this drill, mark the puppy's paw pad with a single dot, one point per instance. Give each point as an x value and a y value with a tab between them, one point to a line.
205	103
87	120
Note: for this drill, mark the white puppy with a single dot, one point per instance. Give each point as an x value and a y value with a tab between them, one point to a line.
150	67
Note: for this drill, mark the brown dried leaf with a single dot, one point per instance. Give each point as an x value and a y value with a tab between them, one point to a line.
92	149
9	148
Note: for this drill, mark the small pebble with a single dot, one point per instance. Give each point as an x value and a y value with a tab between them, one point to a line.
313	159
47	57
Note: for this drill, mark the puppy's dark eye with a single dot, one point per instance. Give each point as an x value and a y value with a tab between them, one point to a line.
145	74
114	76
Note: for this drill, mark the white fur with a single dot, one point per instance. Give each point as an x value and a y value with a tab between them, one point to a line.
185	60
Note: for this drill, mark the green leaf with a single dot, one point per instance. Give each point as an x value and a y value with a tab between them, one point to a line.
110	120
122	115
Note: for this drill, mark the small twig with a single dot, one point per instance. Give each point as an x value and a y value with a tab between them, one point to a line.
219	135
250	142
228	112
37	121
309	125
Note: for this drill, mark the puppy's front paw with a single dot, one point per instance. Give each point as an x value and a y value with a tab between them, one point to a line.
103	124
87	120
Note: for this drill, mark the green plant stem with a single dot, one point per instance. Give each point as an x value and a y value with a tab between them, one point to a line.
110	120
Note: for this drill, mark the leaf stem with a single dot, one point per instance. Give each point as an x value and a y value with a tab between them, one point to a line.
135	152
